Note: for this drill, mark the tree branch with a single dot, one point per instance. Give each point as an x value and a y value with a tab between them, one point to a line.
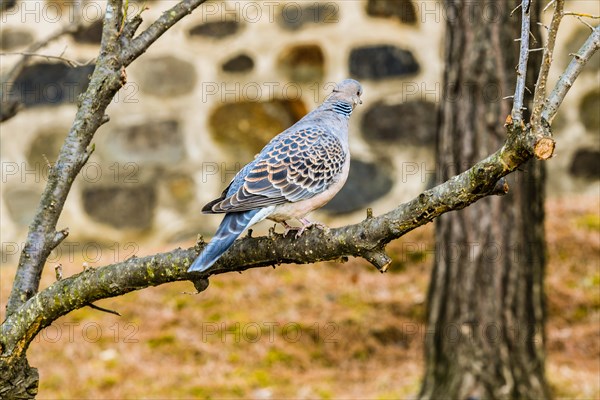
517	110
566	80
539	96
71	27
41	237
138	45
366	239
10	107
108	77
70	63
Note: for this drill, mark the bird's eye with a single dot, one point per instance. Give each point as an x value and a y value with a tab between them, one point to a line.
358	93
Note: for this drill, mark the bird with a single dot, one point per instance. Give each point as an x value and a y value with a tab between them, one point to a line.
298	171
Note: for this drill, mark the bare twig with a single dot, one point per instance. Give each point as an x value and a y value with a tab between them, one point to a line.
11	106
58	238
540	87
550	3
138	45
515	9
69	62
58	272
591	45
585	23
32	50
106	310
517	110
582	15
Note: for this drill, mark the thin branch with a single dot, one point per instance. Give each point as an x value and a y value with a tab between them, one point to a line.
516	8
69	62
10	106
106	310
138	45
540	87
58	272
566	80
130	28
58	238
71	27
585	23
110	28
583	15
550	3
517	110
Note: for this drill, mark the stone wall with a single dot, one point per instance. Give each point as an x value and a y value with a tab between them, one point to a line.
209	94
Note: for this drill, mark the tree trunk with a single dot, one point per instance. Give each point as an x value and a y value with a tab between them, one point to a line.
485	303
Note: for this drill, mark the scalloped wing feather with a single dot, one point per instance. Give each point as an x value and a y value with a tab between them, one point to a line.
297	166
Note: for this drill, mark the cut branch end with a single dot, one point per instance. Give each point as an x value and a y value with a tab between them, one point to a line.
543	148
379	259
501	187
200	284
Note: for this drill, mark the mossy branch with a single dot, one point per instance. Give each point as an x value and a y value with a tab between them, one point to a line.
366	239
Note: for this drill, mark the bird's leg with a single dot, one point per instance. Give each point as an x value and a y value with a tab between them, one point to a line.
287	227
308	224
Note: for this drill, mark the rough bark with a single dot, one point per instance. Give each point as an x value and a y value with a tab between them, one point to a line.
486	299
18	380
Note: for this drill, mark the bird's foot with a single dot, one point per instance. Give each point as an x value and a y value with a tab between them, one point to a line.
287	227
309	224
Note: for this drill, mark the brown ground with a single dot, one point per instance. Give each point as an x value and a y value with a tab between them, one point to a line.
320	331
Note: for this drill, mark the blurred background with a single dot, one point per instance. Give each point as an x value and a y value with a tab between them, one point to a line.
196	107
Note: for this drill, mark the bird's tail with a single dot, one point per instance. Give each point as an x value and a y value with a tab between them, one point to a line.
230	229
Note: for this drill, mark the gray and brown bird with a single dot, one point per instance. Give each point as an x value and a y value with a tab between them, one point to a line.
298	171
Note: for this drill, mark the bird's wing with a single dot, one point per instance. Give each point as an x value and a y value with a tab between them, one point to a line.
299	166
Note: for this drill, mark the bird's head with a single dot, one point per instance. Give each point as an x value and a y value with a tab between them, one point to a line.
349	91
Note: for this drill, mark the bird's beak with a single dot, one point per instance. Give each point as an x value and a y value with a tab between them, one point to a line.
357	100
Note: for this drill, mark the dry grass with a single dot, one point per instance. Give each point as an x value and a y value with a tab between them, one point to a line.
321	331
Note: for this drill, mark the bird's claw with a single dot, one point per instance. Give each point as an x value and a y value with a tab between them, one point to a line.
306	224
288	228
